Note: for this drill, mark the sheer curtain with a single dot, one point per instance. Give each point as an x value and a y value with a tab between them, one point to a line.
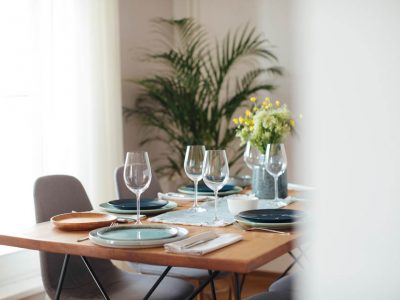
60	98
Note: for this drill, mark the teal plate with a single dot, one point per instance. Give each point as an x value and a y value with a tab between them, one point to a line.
137	233
137	244
112	209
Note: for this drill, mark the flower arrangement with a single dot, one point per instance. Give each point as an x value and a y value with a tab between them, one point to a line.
267	123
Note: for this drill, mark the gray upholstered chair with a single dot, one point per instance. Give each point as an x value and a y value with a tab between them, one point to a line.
124	193
61	194
282	289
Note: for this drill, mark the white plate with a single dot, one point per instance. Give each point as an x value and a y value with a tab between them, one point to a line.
110	208
248	223
182	233
235	190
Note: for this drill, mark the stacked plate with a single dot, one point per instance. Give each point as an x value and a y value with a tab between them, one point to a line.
137	236
128	206
270	218
204	190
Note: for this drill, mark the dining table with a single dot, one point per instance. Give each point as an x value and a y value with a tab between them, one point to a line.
256	249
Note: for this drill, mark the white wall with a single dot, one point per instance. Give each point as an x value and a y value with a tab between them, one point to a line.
136	36
348	66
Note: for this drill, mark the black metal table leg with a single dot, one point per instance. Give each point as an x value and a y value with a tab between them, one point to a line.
62	276
212	285
237	286
155	285
202	286
242	283
85	261
295	260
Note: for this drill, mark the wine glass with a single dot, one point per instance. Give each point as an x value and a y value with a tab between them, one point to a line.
253	157
275	164
194	162
137	176
216	175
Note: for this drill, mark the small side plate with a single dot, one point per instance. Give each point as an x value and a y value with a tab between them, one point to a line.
82	220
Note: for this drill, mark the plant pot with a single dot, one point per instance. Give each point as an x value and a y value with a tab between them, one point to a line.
263	184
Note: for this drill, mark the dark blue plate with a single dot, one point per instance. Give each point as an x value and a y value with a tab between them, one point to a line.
271	215
144	203
202	188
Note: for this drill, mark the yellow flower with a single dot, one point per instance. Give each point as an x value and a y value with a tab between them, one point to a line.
292	123
236	121
277	103
251	128
241	120
248	113
267	99
253	99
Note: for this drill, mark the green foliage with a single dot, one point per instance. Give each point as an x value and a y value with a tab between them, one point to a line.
193	102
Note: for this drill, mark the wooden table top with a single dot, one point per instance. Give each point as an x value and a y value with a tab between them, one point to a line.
256	249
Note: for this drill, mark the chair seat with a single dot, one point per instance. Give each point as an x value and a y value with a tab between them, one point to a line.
286	283
128	286
178	272
282	289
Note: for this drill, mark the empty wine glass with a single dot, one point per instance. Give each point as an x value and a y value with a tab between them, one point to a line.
216	175
253	157
194	162
275	164
137	176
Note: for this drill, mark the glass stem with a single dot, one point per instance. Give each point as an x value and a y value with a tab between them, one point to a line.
138	209
276	187
196	182
215	205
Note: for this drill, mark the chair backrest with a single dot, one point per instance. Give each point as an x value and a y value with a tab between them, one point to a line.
57	194
124	193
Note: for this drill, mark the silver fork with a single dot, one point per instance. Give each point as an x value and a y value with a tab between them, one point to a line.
261	228
87	237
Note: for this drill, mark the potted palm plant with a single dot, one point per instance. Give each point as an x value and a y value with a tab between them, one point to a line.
193	101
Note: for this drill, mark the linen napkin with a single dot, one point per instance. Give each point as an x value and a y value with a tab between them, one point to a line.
180	197
203	243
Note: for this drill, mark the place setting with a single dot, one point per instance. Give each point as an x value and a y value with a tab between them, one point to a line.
129	206
269	219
